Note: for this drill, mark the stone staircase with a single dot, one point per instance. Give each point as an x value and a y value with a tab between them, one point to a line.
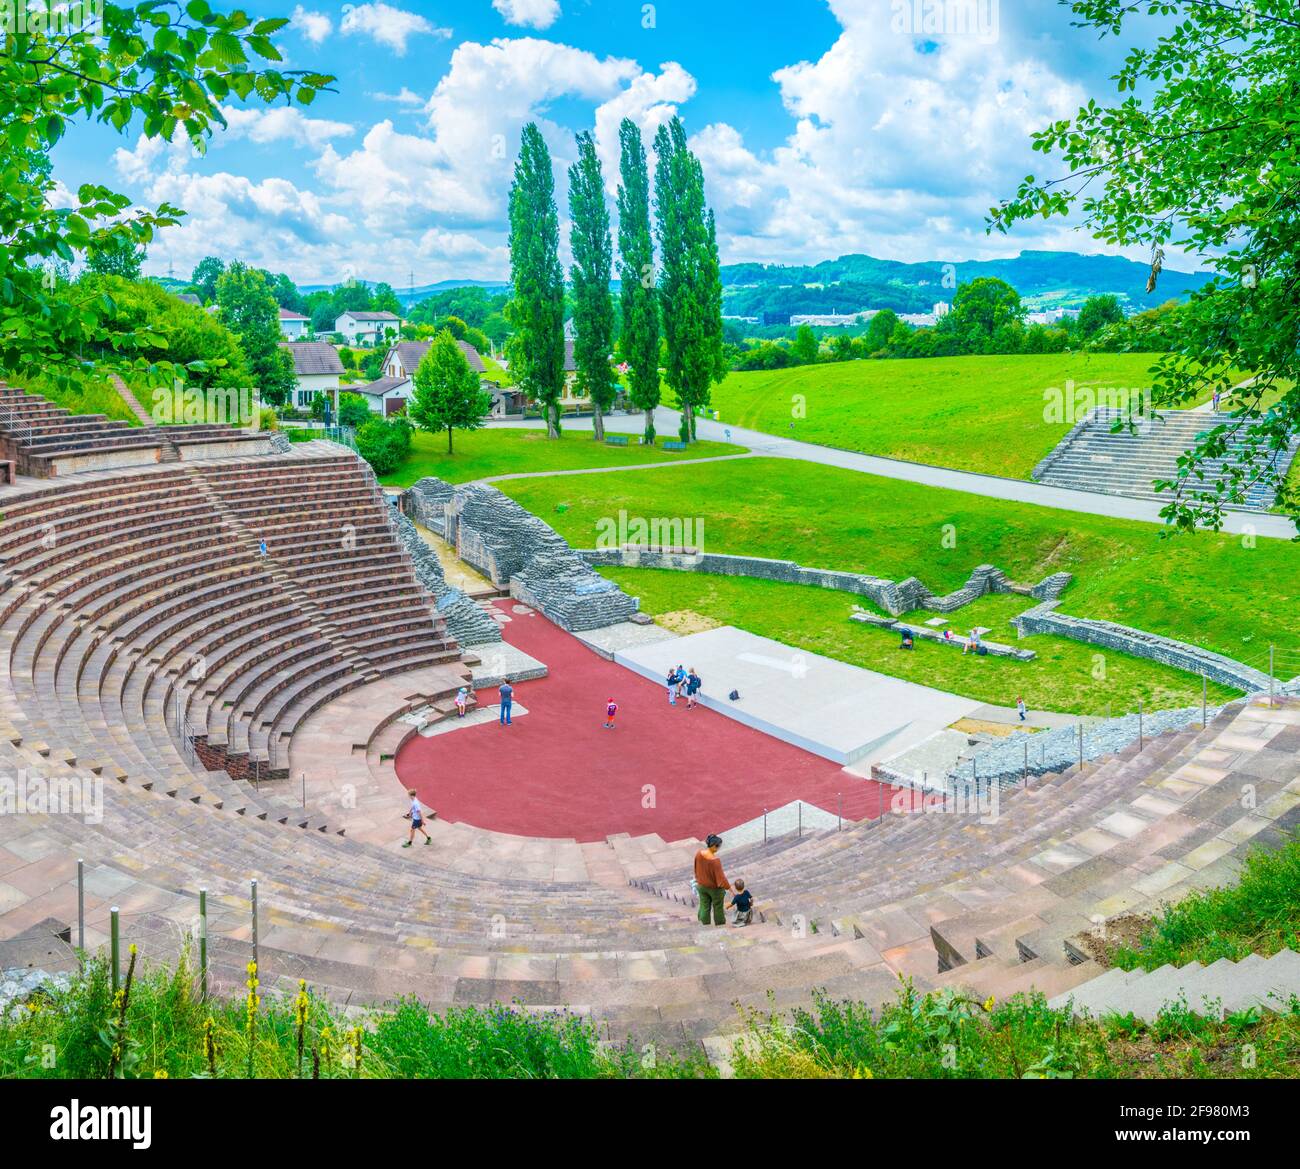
1224	987
1093	458
46	441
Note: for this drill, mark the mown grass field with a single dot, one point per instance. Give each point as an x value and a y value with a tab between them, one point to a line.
1064	676
1229	593
984	414
507	451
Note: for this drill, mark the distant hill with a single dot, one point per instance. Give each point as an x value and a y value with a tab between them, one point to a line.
852	283
409	296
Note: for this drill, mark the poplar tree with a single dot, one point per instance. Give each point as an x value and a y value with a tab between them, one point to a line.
690	283
639	342
537	308
593	262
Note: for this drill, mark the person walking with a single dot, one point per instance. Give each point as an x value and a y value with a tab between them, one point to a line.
507	693
416	817
611	709
1021	708
671	683
711	882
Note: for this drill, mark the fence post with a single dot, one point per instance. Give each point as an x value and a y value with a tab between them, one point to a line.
1080	747
81	908
1270	677
115	945
1026	761
203	945
254	899
304	791
1141	737
1205	691
840	797
764	825
800	803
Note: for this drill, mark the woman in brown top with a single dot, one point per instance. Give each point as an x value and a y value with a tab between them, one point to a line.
711	882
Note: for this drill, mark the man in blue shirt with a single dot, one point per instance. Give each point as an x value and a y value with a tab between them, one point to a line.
507	693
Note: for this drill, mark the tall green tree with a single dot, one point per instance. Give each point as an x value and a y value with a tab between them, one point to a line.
593	267
638	296
157	70
536	310
249	310
448	395
1097	313
690	282
205	276
1201	154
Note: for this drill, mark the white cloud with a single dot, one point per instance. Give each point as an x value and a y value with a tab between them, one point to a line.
314	26
529	13
280	124
403	97
389	26
900	145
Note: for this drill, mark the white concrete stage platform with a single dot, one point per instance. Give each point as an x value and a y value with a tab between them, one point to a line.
840	712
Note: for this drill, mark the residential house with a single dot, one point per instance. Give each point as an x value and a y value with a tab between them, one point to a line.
316	367
390	393
293	326
371	329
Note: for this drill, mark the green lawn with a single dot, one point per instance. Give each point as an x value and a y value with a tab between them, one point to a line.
507	451
1062	678
1207	589
986	414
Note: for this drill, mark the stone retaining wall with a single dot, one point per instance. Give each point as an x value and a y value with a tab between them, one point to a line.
1045	619
516	550
895	597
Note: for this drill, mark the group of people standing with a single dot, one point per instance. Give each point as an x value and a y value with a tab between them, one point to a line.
683	683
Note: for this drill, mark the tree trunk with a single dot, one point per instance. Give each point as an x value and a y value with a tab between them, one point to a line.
552	420
449	440
597	423
650	427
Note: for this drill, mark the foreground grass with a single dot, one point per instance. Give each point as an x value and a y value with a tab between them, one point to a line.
951	1036
157	1029
1064	676
1229	593
512	450
1259	915
983	414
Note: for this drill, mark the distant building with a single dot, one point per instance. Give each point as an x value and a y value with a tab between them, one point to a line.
776	318
372	329
293	326
390	393
828	320
1052	316
926	320
316	368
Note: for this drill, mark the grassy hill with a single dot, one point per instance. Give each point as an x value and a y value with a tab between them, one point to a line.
508	451
985	414
1232	595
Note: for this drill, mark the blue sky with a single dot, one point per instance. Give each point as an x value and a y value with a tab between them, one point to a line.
824	127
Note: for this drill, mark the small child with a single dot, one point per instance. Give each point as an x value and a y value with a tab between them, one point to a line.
1021	708
416	817
742	901
611	709
693	684
462	698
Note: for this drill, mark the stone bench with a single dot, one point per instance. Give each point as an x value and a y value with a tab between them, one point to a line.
924	633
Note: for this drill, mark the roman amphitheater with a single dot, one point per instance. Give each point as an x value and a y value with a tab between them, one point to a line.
236	644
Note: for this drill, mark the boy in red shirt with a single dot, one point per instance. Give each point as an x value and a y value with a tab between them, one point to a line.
611	709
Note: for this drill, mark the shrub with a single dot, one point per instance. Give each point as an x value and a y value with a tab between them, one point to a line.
384	443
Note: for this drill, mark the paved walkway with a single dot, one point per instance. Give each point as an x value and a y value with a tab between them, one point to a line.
991	486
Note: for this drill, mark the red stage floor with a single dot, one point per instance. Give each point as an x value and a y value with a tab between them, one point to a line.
557	772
